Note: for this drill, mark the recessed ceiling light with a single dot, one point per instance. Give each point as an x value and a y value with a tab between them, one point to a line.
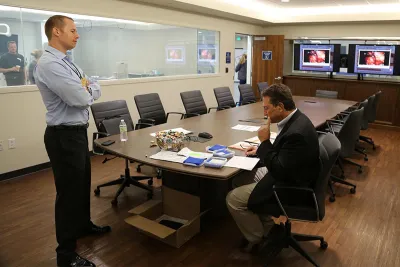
285	1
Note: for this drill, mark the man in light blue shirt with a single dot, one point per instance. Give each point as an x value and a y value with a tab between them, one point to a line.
67	94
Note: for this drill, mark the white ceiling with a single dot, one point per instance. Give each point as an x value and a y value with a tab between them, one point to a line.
296	11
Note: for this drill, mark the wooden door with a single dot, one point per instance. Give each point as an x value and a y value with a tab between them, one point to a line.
270	67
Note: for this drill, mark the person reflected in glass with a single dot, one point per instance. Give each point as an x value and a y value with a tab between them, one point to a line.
36	55
12	65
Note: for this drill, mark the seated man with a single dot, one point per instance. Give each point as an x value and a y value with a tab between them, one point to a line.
292	160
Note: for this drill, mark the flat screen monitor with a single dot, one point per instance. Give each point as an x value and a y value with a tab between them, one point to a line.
207	54
175	54
374	59
317	57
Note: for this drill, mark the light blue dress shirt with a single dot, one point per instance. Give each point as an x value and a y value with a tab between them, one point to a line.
66	100
283	122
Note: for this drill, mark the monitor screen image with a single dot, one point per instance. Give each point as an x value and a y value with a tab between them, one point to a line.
175	54
374	59
206	54
316	58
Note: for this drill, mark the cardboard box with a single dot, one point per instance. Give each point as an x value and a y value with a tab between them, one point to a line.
175	204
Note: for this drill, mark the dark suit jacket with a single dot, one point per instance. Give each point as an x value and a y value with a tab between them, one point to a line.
292	160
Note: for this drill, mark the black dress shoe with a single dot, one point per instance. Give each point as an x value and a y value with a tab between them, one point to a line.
95	230
77	261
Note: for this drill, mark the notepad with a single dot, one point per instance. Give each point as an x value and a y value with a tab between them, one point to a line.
186	152
168	156
244	163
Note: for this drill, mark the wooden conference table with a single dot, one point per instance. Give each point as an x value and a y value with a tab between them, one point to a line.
212	185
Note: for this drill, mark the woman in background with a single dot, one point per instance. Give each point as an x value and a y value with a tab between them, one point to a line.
36	54
241	69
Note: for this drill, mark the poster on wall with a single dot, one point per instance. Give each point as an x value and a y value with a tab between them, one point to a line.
266	55
175	54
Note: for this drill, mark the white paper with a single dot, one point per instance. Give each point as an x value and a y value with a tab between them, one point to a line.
245	163
181	130
248	128
254	140
187	152
168	156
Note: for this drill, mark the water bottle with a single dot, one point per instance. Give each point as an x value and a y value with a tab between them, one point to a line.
123	130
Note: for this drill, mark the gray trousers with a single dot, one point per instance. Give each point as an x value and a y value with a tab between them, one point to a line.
252	226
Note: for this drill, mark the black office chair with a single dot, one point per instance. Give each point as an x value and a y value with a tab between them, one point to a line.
246	94
348	133
107	116
371	114
224	98
151	109
261	87
194	104
326	94
305	203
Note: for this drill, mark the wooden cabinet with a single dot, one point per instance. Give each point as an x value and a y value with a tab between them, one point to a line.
389	104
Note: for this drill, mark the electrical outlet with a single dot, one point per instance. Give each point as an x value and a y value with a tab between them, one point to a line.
11	143
1	145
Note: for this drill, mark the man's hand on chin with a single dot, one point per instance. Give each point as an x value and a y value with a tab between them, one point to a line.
264	133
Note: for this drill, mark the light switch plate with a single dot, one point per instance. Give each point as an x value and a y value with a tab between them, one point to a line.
11	143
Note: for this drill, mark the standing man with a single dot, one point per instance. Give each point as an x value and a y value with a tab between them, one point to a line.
67	95
12	65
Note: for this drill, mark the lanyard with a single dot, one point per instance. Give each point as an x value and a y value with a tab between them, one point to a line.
73	67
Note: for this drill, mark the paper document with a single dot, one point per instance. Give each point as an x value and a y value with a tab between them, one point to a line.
181	130
241	145
186	152
248	128
168	156
255	140
244	163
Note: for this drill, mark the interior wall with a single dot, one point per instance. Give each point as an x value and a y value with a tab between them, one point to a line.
22	107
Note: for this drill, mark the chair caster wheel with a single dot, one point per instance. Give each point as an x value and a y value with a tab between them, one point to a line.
360	170
150	182
365	158
332	199
114	202
138	169
149	196
97	192
324	245
353	190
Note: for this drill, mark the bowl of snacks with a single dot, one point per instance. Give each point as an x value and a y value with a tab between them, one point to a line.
170	140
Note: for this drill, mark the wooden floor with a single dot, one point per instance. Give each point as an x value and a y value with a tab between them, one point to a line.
361	229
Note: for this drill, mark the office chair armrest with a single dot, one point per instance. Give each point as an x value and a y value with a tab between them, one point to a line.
216	108
141	125
288	190
335	121
151	121
191	114
97	135
224	107
175	113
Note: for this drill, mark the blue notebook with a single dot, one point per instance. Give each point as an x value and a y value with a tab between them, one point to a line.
216	147
194	161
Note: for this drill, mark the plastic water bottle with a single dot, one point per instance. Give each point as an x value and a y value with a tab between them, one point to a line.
123	130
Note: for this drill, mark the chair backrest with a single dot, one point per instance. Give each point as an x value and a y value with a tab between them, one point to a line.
224	97
193	102
375	106
261	87
367	106
108	115
350	132
246	93
150	107
329	150
326	94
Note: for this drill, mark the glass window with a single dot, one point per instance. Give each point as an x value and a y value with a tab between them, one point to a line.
108	48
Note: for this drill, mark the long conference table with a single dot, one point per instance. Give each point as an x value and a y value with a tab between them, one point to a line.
210	184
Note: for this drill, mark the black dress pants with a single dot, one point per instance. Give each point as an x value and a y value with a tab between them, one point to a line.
67	148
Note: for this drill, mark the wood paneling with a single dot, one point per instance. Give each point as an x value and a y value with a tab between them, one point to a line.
388	107
267	70
361	229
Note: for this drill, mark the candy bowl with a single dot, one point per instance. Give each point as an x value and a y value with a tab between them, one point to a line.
170	140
